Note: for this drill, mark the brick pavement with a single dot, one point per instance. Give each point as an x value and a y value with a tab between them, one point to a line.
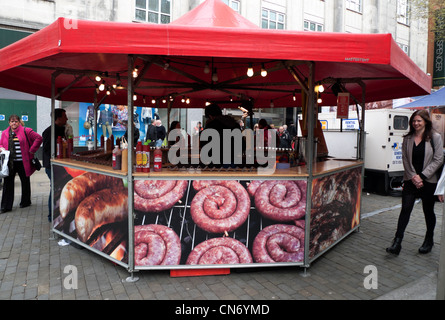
32	265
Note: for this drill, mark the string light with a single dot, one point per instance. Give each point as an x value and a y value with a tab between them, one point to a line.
215	76
102	86
207	68
263	71
250	71
135	72
98	78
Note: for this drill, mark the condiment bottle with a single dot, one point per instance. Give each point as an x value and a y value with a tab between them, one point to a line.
102	141
59	152
157	161
117	158
139	157
146	158
70	147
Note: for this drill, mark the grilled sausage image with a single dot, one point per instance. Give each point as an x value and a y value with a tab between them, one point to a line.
158	195
219	206
279	243
81	187
156	245
220	251
100	208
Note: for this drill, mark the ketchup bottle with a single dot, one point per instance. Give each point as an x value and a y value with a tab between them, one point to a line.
59	152
139	157
117	158
157	161
70	147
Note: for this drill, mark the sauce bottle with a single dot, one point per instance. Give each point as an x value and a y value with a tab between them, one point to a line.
59	152
139	157
146	158
157	161
117	158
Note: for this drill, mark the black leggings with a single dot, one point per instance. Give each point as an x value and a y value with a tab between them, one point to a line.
409	195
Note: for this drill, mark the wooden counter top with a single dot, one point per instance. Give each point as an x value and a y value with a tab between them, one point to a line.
319	168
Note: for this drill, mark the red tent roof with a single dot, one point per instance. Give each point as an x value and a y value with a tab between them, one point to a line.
214	13
173	58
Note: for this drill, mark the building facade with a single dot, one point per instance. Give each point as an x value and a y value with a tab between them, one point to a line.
19	18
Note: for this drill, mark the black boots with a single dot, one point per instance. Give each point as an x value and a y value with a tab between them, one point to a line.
396	246
426	246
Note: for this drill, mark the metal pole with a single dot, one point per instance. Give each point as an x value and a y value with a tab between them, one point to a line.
309	155
440	294
130	181
53	149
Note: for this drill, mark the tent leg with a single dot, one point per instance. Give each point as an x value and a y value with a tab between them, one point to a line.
132	278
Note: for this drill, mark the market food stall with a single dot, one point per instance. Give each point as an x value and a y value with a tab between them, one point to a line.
191	217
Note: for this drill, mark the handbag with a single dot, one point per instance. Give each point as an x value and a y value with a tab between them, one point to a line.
35	162
4	159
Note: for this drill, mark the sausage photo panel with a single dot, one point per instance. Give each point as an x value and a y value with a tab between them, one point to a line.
199	222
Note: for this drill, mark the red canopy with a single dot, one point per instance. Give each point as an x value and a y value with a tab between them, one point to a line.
172	59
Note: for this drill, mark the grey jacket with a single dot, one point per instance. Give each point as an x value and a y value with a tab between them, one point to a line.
432	161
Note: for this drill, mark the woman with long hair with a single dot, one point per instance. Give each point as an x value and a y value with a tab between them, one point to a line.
22	143
422	154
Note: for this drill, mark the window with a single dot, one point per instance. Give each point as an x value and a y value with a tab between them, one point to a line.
234	4
402	11
312	26
272	19
153	11
401	122
404	47
355	5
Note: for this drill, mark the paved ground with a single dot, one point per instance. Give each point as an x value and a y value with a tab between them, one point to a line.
32	265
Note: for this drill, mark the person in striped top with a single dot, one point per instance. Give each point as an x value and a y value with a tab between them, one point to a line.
22	145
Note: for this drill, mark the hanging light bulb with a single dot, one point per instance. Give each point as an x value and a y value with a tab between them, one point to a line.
321	88
319	100
187	101
250	71
135	72
102	86
207	68
153	101
98	78
294	96
263	71
215	76
183	99
108	91
135	97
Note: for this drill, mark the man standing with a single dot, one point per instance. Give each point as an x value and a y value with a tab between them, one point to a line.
60	120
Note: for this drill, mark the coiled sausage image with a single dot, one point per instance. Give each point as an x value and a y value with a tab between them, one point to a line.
156	245
279	243
280	200
219	206
158	195
220	251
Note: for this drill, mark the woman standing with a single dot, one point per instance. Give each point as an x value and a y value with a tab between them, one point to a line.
422	154
22	147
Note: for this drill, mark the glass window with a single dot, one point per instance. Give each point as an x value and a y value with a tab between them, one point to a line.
153	11
402	11
312	26
355	5
234	4
401	122
272	19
